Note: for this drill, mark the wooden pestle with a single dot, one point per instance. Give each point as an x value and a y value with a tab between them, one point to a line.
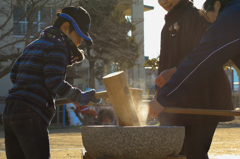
170	109
126	105
202	111
121	99
135	92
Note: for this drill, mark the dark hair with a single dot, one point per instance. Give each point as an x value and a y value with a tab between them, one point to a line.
60	20
209	4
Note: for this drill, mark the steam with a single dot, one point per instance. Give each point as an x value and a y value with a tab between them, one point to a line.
142	112
141	109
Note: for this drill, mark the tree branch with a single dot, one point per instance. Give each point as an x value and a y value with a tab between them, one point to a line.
9	44
6	70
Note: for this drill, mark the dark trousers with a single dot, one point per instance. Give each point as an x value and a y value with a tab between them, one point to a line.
26	134
198	139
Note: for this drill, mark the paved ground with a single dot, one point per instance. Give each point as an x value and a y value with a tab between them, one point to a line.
67	143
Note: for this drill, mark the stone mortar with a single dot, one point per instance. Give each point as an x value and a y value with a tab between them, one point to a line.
129	142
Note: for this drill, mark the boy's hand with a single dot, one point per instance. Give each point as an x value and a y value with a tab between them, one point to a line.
164	76
87	97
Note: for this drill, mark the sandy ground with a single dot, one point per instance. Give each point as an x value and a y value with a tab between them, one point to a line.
67	143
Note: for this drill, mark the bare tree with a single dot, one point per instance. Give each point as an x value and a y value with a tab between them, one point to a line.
112	43
21	22
109	29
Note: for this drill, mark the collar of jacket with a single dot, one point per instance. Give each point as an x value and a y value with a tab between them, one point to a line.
178	9
75	55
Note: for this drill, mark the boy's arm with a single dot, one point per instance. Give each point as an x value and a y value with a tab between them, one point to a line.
220	44
55	65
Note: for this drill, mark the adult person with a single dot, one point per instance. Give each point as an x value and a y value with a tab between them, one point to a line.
181	33
38	75
219	44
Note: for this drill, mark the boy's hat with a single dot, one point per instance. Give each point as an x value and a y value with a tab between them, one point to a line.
81	21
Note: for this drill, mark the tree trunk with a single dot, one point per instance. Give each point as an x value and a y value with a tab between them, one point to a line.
92	72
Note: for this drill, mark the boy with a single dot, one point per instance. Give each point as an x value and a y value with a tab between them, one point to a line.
38	75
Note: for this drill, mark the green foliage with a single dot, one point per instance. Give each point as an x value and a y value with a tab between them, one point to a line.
152	63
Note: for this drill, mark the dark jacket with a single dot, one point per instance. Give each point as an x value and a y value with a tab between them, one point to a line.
38	75
182	32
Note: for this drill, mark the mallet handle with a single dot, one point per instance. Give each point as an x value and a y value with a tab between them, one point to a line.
98	95
202	111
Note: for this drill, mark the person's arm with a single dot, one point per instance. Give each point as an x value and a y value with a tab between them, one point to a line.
220	43
54	71
55	65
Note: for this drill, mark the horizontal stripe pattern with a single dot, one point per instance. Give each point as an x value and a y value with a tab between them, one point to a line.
38	75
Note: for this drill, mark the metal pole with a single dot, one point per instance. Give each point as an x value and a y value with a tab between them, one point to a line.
63	111
57	115
57	112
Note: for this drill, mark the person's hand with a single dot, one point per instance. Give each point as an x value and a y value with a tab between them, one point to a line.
155	108
87	97
164	76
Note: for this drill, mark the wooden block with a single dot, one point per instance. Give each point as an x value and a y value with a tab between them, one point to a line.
87	156
105	158
177	157
83	154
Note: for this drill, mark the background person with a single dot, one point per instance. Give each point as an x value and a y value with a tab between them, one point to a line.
181	33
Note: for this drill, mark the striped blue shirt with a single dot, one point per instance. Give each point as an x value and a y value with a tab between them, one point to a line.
39	74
